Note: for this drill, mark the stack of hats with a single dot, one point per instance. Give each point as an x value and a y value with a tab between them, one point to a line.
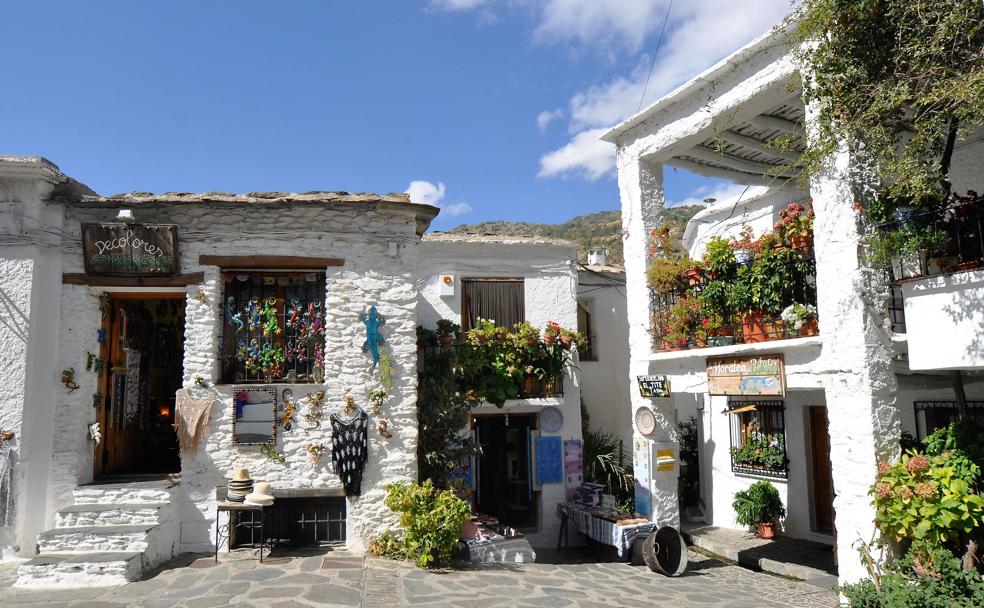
240	486
262	495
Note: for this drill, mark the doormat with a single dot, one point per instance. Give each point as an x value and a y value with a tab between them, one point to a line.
341	563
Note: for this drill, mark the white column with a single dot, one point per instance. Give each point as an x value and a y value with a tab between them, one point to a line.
641	190
860	383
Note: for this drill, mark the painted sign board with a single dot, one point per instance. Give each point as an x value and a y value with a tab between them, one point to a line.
654	386
130	249
643	475
761	375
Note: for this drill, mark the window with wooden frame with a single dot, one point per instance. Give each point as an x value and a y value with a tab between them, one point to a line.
586	327
273	327
758	437
500	300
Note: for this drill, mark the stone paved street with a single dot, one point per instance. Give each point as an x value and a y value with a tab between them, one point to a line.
193	582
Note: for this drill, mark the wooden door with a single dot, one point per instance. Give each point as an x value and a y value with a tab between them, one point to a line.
823	483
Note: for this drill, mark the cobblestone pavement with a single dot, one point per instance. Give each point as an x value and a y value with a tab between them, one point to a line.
193	582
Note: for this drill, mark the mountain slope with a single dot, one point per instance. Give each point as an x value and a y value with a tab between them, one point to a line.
595	230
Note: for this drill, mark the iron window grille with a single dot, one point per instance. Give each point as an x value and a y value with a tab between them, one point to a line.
758	437
296	522
896	309
273	327
932	415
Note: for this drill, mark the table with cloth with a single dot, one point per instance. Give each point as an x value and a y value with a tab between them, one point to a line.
599	525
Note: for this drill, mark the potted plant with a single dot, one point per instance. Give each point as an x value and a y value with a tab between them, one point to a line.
684	321
800	320
719	258
760	506
447	332
795	226
666	275
744	246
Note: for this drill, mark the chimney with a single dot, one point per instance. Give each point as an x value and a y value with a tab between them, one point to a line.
597	257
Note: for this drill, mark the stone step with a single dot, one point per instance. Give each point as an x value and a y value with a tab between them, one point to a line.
123	493
74	570
109	515
95	539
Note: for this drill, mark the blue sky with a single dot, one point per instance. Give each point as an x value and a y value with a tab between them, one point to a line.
488	108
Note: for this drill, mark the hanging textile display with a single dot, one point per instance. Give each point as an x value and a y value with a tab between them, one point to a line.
6	484
549	460
573	465
191	419
132	403
350	449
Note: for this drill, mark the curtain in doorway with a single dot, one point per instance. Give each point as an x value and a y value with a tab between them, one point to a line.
501	300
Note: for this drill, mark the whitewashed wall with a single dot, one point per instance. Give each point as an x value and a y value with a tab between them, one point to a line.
373	273
549	283
603	389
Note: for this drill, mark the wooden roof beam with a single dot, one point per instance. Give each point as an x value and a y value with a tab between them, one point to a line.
732	162
738	177
774	122
757	146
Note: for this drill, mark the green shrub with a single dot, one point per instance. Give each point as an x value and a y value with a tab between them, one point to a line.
760	503
388	545
929	500
948	587
431	520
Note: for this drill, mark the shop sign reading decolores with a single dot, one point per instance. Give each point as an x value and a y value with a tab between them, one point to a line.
763	375
130	249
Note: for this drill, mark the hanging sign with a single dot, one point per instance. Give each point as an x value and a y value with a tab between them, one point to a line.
763	375
130	249
654	386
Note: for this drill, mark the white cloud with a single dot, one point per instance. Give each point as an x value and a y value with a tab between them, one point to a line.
544	118
456	5
701	33
456	208
585	156
427	193
720	192
606	23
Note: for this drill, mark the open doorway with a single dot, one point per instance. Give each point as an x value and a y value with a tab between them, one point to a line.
504	471
142	347
822	492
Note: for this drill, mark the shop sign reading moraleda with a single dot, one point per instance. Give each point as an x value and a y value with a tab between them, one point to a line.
130	249
763	375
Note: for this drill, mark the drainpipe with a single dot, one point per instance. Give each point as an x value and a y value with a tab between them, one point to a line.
958	388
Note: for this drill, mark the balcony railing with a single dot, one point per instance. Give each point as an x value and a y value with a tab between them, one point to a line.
717	325
961	224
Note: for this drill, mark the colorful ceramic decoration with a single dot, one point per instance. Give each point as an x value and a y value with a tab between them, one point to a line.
201	297
373	322
350	406
236	318
90	361
68	379
382	427
315	412
315	452
95	433
573	465
288	413
273	454
645	421
551	420
376	399
101	335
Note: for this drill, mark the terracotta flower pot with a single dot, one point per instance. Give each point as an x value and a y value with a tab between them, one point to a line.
694	276
753	327
810	327
446	340
801	243
548	386
767	531
530	384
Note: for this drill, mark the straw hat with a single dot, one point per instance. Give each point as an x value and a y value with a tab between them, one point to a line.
262	495
240	475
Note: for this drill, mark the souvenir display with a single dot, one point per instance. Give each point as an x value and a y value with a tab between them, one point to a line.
373	322
273	454
274	329
382	427
573	464
350	450
315	411
376	399
288	410
95	433
240	486
90	361
549	460
315	452
350	406
68	379
201	297
191	419
261	495
645	421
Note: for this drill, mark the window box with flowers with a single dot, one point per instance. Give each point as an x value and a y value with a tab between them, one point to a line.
758	438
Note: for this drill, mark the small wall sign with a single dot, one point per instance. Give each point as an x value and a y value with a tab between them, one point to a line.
763	375
130	249
654	386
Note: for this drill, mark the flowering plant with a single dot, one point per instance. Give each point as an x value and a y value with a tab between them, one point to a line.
793	222
762	449
795	315
927	499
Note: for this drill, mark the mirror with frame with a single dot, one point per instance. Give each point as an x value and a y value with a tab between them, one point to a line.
254	420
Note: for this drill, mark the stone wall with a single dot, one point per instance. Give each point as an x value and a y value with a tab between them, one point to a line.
379	248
